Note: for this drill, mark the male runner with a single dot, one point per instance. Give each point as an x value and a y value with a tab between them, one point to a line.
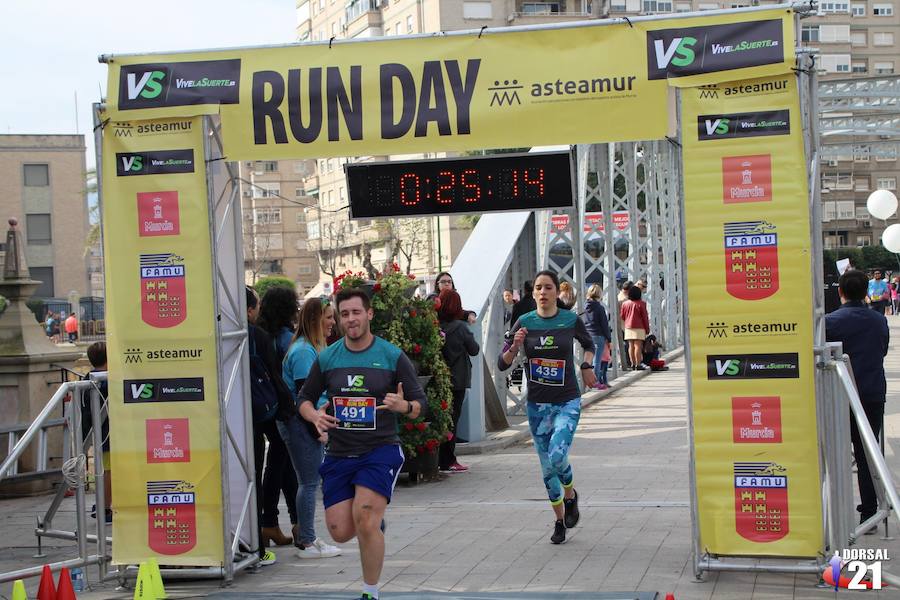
369	382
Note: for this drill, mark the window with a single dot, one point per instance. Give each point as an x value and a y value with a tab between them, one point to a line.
477	10
834	7
45	276
809	33
619	5
846	209
657	6
887	183
883	10
862	213
708	7
36	175
266	166
883	38
397	29
835	63
682	7
884	68
312	230
342	195
305	269
863	240
299	192
301	217
861	183
861	153
829	211
267	216
834	33
858	38
858	66
409	24
330	197
321	165
266	190
837	181
37	229
858	9
270	241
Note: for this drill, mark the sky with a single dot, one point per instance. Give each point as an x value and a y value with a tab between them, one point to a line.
49	49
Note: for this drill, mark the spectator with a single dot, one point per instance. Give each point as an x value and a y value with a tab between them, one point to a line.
56	323
278	318
525	305
879	296
96	354
266	372
636	322
48	324
566	295
597	323
865	338
72	328
305	445
621	298
444	281
459	345
895	296
508	303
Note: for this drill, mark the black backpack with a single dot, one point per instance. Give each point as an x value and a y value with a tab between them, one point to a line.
263	397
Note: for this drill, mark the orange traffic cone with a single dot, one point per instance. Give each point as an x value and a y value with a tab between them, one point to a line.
670	596
46	589
64	589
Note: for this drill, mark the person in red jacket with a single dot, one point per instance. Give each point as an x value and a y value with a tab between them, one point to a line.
637	325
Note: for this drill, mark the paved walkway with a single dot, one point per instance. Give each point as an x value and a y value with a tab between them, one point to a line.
488	530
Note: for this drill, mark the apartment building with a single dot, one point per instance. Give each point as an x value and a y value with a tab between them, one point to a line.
275	202
857	40
42	184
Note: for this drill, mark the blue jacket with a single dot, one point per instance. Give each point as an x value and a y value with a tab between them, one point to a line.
865	336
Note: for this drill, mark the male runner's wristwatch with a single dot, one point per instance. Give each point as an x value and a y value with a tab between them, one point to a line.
586	365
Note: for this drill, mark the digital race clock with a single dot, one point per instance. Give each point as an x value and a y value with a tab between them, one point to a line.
496	182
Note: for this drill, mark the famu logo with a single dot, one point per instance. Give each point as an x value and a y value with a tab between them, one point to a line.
736	125
179	84
154	162
753	366
684	51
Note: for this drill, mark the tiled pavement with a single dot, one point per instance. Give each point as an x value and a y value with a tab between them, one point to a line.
488	530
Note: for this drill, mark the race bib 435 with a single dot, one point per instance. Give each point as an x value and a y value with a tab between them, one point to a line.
547	371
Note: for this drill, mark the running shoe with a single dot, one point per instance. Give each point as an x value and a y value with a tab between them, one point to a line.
267	559
318	549
601	386
559	533
572	514
457	468
641	367
367	597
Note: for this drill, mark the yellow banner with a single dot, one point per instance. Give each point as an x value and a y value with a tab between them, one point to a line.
163	396
588	83
750	304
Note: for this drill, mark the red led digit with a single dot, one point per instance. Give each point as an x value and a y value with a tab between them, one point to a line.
536	184
446	186
515	176
470	186
407	181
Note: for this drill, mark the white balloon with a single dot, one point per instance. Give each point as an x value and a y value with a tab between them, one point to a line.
882	204
891	238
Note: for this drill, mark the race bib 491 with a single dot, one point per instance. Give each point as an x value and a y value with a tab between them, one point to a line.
354	412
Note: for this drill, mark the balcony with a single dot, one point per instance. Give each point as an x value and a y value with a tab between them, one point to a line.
533	12
360	15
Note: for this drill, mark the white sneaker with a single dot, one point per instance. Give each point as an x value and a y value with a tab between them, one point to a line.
318	549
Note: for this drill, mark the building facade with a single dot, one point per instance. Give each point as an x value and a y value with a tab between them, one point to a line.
274	201
43	184
854	39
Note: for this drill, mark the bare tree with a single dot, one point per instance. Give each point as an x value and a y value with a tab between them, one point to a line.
332	237
406	238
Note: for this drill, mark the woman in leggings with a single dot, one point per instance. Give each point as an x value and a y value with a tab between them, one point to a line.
554	398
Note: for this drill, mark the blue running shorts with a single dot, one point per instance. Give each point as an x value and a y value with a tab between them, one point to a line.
377	470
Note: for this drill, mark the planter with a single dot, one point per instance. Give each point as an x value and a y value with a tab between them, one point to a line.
425	465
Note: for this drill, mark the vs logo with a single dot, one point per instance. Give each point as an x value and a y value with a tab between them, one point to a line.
355	380
132	163
546	341
683	47
729	367
717	126
149	86
141	391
